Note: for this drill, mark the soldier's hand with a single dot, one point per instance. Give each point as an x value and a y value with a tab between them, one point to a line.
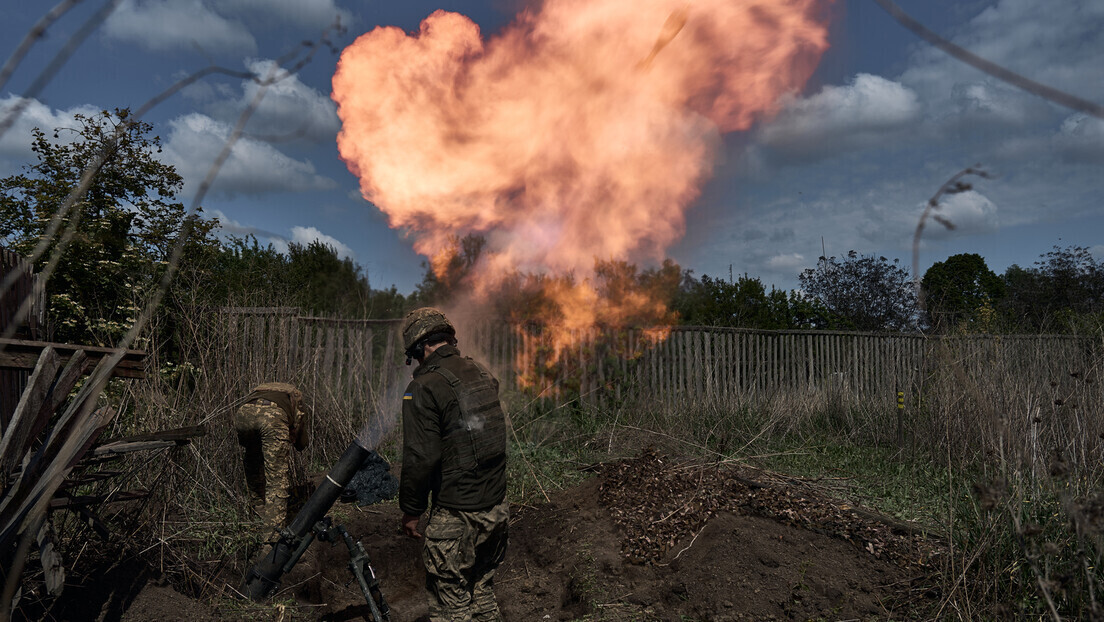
410	525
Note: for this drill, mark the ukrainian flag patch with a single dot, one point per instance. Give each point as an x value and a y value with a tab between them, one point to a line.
408	396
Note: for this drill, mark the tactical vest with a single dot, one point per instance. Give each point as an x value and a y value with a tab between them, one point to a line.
480	434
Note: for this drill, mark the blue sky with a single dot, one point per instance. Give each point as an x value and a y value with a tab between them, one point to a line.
849	162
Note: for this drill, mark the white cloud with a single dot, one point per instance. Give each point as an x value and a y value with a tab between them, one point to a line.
15	144
230	226
970	212
253	167
1081	139
216	26
866	112
993	102
176	24
299	235
306	235
1055	43
787	262
289	109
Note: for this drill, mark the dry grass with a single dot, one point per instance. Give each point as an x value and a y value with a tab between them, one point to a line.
1014	428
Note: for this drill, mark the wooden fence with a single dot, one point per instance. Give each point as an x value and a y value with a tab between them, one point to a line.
356	361
23	289
348	363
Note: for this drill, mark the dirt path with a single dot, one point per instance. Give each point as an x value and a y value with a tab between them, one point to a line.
646	539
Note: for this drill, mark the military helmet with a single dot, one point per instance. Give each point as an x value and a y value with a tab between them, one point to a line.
423	322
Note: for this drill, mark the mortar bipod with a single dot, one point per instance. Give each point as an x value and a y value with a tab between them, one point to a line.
359	564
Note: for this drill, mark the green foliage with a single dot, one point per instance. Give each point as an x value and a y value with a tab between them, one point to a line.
863	292
961	292
118	236
908	487
747	304
310	276
1062	293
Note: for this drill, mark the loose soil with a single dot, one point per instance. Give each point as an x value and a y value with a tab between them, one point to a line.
652	538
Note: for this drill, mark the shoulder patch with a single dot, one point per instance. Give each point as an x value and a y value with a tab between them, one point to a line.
408	396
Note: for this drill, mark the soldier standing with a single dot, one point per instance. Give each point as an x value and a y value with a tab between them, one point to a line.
454	449
272	419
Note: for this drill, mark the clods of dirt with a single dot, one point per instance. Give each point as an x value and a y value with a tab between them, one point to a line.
655	538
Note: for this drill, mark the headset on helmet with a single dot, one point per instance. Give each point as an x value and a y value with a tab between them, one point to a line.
422	325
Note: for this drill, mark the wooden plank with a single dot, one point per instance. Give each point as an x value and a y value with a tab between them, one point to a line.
355	372
369	361
175	434
778	355
341	354
283	345
70	502
680	364
306	350
386	363
118	448
326	365
294	327
59	392
246	362
53	570
709	363
259	310
23	354
755	363
258	351
28	411
56	458
272	348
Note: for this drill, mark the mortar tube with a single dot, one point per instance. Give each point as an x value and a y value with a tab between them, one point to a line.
264	578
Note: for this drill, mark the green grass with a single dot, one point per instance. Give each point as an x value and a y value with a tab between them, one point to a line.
895	483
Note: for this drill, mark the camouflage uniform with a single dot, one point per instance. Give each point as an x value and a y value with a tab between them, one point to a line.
461	552
264	426
454	449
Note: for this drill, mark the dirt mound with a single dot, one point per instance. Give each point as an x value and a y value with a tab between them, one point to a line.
657	539
651	538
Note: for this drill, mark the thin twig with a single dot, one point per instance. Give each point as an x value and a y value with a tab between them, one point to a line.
1046	92
33	35
56	63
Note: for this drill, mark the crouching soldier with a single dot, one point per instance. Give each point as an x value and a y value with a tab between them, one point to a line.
272	419
454	450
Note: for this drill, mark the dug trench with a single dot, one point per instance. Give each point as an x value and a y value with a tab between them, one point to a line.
649	538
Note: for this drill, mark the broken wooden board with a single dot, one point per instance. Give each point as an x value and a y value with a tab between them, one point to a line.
23	354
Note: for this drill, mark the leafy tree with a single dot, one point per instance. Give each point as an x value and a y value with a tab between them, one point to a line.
124	226
746	303
743	303
310	276
1063	292
961	290
863	292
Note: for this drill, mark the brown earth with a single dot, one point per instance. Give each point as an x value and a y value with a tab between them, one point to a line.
645	539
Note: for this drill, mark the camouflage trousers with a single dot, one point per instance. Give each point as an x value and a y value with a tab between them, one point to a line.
461	552
263	432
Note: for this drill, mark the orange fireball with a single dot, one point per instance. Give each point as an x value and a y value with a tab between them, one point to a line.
546	138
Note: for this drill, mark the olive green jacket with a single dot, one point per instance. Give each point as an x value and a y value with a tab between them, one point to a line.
430	407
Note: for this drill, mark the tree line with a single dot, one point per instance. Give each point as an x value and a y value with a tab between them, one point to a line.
110	251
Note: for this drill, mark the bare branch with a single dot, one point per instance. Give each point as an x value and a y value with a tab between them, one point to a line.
989	67
33	35
56	63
